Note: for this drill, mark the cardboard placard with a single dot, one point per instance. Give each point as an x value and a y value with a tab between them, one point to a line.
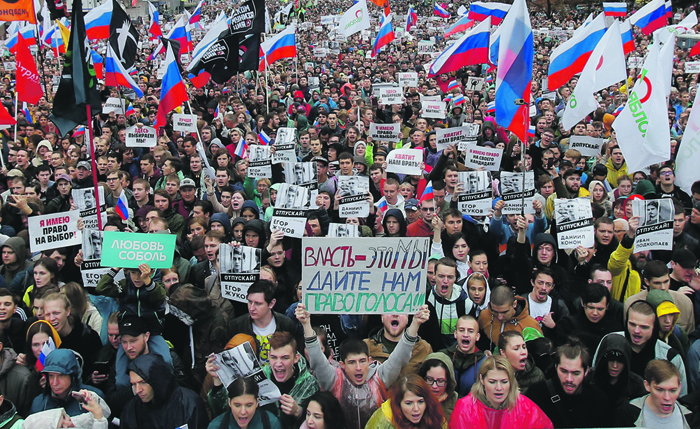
574	223
343	230
260	162
449	136
384	132
54	231
478	193
141	136
390	96
475	84
355	276
241	361
129	250
185	123
655	230
239	268
470	136
692	67
405	161
285	146
481	156
84	200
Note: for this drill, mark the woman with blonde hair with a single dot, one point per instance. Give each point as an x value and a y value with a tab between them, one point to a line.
495	401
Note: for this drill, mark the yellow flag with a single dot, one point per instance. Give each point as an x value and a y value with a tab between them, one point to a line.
65	33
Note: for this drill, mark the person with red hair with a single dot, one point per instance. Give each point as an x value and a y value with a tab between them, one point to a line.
411	405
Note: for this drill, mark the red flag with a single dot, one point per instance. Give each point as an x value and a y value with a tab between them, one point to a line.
5	117
28	81
695	50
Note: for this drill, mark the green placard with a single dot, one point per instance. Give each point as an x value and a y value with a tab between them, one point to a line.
129	250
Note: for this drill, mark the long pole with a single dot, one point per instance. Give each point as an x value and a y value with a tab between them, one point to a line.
197	128
88	131
16	112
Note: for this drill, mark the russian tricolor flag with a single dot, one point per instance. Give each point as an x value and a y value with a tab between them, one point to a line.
283	45
97	21
411	19
458	100
27	113
46	349
570	57
122	207
428	192
173	91
384	36
116	75
618	110
531	131
627	36
651	17
514	75
154	16
180	33
79	131
463	24
383	206
479	11
130	110
669	9
197	15
472	48
615	10
441	11
452	85
98	62
264	138
241	148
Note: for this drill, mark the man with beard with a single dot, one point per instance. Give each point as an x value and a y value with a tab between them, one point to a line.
656	276
465	356
569	398
567	187
384	341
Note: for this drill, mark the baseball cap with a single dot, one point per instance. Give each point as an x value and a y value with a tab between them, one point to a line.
132	325
85	164
571	172
320	159
685	258
411	204
187	182
15	173
600	170
63	177
696	206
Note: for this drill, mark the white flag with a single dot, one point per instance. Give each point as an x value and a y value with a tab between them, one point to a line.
682	27
642	126
688	157
355	19
605	67
666	63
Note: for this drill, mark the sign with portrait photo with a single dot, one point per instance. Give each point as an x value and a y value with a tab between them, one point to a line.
574	223
354	191
515	192
343	230
259	162
239	268
655	230
478	193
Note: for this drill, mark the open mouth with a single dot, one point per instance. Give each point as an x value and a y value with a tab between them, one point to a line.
394	323
358	378
465	342
523	362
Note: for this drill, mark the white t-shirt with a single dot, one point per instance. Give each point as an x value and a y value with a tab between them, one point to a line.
539	310
651	420
262	335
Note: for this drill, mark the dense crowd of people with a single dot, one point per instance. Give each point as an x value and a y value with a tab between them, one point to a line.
515	332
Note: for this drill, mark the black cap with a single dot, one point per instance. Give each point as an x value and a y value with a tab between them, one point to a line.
133	325
571	172
320	159
600	170
685	258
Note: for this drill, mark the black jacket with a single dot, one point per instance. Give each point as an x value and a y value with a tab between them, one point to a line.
244	325
629	385
589	333
172	406
591	408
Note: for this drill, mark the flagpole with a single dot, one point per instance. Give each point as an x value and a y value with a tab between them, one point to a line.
40	57
94	165
16	122
197	128
267	89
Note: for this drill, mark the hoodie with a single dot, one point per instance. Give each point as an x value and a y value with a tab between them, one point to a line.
492	327
444	312
257	226
664	304
18	246
524	261
399	216
64	361
466	367
172	406
250	204
629	385
448	404
224	220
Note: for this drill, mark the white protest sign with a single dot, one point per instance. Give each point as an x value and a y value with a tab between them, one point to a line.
470	137
425	46
588	146
692	67
85	202
184	123
90	269
141	136
475	84
355	276
513	194
408	79
478	193
285	146
259	162
635	62
655	230
343	230
384	132
291	222
242	362
379	86
433	109
405	161
481	156
113	104
390	96
239	268
353	190
574	223
54	231
449	136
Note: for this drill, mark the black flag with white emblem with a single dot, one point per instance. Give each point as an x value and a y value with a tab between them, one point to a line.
123	36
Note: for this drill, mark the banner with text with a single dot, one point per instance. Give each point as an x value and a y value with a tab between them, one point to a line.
574	223
359	277
185	123
85	202
291	222
384	132
408	79
655	230
128	250
54	231
449	136
239	268
588	146
405	161
141	136
488	158
433	109
516	196
477	197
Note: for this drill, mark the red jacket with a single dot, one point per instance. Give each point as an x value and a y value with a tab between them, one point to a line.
473	414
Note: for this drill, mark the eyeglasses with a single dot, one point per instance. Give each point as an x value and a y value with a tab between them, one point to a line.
667	173
439	382
427	209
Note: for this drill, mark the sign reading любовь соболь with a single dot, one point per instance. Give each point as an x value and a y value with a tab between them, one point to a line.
363	275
